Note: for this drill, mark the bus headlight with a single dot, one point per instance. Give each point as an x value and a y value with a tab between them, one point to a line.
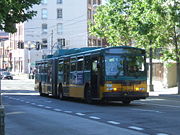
115	89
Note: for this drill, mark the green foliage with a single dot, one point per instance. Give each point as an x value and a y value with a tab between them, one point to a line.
112	23
15	11
148	23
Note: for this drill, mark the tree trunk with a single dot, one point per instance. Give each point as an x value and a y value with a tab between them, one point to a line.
151	88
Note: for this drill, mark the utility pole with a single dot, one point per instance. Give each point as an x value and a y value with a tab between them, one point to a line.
2	43
2	114
51	42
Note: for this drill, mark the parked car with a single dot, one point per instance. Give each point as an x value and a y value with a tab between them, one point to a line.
6	75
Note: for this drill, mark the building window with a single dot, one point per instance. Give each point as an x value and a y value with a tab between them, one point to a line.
44	13
44	43
44	28
59	28
59	1
94	1
89	13
89	42
99	2
89	1
94	42
44	2
61	42
59	13
99	43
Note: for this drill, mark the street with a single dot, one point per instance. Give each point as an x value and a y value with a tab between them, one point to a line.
30	114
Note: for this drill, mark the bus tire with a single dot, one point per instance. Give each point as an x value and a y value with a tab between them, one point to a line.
88	95
61	94
126	102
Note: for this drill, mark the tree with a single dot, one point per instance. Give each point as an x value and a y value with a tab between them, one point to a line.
148	28
112	23
158	22
15	11
172	51
150	24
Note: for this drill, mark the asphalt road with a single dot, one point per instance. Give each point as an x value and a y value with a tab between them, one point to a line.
28	113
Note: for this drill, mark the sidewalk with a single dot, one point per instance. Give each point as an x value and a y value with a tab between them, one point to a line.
168	93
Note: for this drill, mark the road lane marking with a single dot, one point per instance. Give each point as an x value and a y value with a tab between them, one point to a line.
33	103
113	122
58	110
40	105
136	128
68	111
48	107
93	117
162	134
80	114
145	110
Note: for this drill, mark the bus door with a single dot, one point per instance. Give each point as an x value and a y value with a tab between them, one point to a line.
54	77
95	76
49	76
66	76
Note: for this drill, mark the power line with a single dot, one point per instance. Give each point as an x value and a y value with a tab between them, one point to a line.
62	22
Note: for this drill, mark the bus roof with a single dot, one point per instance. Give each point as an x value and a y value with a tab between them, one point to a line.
78	51
63	52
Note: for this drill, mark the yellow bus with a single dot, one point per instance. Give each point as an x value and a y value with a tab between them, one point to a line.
94	74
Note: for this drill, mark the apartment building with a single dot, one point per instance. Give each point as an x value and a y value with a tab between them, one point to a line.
58	24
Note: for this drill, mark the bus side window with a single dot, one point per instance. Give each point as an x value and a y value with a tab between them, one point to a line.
95	66
80	66
73	66
87	63
60	67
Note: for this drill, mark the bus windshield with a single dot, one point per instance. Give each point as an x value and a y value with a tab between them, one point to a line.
119	65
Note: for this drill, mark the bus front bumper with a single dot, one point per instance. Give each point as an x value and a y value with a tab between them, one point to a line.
125	95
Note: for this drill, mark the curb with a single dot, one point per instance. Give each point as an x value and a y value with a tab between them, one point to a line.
167	96
172	96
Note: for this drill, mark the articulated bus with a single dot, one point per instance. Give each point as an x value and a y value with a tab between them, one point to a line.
104	74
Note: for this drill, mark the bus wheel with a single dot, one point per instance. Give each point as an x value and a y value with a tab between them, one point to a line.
88	95
61	95
126	102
